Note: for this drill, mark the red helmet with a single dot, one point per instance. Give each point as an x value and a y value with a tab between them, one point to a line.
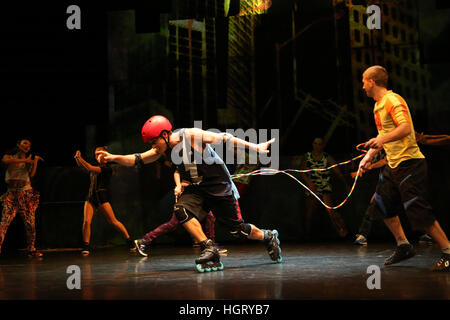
154	126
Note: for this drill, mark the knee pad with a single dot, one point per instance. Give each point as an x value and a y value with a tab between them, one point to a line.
182	214
241	231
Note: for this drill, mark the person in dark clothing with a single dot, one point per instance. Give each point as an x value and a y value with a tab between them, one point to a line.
210	189
98	198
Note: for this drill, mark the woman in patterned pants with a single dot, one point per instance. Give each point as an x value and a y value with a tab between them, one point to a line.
20	196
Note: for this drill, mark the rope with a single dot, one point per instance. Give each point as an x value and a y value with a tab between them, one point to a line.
268	171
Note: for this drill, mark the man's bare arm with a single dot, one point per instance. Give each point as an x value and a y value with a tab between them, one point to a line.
212	137
129	160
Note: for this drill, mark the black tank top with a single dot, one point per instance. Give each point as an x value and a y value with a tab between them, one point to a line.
210	173
100	181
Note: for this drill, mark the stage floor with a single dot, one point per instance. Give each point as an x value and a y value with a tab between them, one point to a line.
321	271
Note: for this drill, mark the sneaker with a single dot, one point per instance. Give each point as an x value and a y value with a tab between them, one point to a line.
402	252
443	264
35	254
141	247
131	245
86	249
361	240
426	239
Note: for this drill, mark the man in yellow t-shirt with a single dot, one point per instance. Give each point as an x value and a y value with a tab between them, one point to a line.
402	183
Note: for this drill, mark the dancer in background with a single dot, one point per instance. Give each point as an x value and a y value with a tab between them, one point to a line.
320	183
20	197
98	198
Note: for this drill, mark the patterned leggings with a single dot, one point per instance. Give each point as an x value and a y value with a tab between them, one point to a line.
25	203
173	223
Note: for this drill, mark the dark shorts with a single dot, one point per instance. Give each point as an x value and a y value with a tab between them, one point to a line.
404	189
199	203
98	197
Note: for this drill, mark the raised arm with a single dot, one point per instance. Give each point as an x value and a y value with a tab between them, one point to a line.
34	165
83	164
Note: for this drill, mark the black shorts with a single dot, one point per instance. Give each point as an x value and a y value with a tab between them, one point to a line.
404	189
198	203
98	197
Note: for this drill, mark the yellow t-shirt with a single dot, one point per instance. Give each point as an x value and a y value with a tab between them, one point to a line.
389	113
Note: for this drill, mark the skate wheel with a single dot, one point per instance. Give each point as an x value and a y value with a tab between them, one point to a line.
199	268
220	267
279	259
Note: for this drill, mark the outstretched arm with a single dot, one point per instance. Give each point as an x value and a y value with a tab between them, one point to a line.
129	160
435	140
211	137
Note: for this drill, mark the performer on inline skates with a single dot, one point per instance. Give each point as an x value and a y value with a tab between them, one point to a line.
211	185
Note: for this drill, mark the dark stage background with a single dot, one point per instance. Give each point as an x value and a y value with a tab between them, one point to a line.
294	67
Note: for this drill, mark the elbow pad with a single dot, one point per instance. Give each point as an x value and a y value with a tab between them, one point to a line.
138	162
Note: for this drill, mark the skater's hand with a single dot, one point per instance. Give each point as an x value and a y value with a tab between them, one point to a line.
264	147
178	190
77	154
106	155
